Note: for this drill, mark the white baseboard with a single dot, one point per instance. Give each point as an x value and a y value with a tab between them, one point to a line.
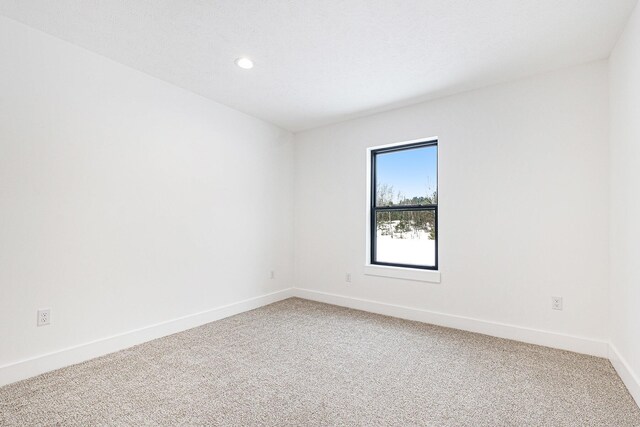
48	362
630	379
501	330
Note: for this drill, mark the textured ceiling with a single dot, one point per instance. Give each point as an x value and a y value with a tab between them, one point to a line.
323	61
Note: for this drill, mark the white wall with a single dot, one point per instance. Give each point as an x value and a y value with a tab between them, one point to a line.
117	191
524	189
625	202
126	201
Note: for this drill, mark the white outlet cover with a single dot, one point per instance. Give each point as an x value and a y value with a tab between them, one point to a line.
556	303
44	317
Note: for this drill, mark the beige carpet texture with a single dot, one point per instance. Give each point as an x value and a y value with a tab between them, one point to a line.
302	363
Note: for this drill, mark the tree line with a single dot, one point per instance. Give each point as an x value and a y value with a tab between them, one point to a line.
397	223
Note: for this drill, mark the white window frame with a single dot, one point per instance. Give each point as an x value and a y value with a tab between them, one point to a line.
414	274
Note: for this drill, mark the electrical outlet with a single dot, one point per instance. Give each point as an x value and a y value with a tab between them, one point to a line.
44	317
556	303
272	275
347	278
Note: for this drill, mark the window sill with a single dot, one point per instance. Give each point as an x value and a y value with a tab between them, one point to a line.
414	274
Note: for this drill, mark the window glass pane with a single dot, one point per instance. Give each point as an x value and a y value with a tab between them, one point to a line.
407	177
406	237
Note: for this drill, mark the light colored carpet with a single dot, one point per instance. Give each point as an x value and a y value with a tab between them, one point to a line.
303	363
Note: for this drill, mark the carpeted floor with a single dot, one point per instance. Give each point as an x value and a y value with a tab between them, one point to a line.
303	363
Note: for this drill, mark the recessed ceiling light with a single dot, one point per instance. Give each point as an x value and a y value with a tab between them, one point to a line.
244	62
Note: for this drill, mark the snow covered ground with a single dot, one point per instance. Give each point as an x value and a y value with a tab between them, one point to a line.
415	249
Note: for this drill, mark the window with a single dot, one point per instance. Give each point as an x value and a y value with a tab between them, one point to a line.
404	206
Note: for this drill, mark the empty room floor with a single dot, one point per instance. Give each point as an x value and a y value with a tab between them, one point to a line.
298	362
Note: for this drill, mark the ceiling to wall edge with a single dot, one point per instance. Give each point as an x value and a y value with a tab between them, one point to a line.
422	99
